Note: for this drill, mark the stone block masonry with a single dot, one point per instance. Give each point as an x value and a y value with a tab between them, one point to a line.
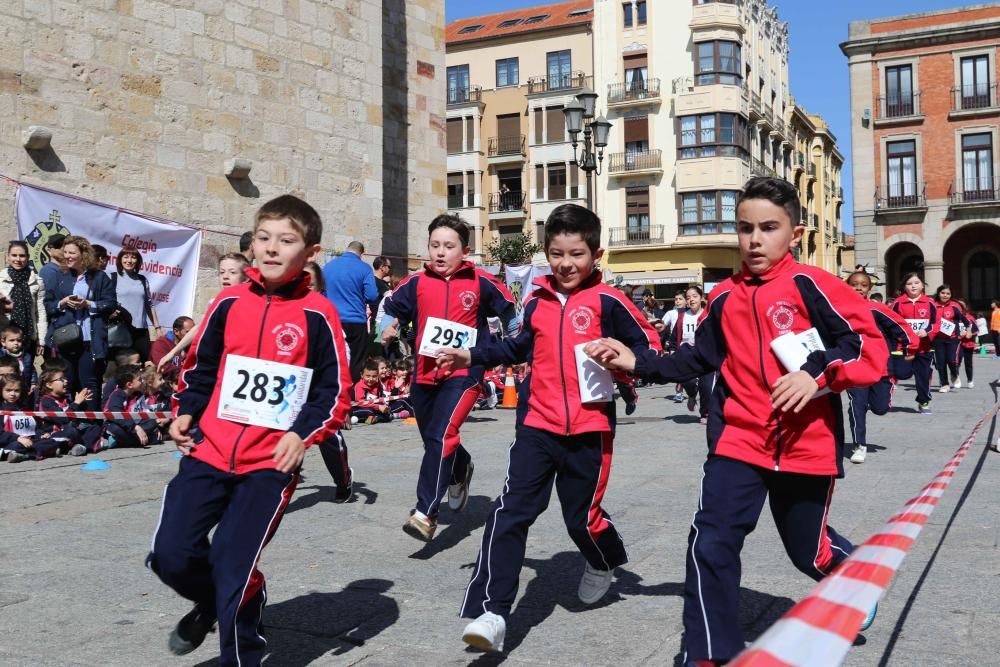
147	99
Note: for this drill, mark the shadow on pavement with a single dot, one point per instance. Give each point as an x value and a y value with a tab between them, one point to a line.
898	408
458	526
302	630
325	494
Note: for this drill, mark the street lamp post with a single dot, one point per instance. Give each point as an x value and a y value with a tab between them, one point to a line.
595	131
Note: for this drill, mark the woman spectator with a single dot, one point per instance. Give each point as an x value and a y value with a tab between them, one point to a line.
133	297
24	297
82	296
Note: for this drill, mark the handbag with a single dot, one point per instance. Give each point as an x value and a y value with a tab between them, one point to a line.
119	335
66	335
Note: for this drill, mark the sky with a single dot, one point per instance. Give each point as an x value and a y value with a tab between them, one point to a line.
816	67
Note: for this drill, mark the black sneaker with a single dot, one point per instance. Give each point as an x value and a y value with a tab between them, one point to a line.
191	631
344	493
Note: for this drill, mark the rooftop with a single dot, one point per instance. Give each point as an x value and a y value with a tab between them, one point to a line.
520	21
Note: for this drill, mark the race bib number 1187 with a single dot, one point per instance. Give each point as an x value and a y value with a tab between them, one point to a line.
263	393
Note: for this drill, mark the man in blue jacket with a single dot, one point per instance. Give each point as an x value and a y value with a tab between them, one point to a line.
350	286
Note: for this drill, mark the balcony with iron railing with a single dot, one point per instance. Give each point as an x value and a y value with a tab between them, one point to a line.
755	108
630	163
619	237
983	191
901	196
636	93
758	168
815	221
800	160
779	125
812	170
898	109
840	193
506	204
505	149
549	84
467	95
974	100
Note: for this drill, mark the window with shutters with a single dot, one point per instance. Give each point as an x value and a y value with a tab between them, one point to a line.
557	181
456	190
455	140
555	125
539	181
636	210
507	72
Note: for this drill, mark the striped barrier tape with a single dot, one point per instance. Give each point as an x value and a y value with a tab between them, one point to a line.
821	628
87	414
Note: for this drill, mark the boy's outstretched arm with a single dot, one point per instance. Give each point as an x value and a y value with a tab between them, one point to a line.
511	350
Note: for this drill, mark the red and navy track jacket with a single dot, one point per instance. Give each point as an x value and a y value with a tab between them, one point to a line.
747	312
468	296
968	324
549	333
922	315
294	326
365	396
896	331
952	312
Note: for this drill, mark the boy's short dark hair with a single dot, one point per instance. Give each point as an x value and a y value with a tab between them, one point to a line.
122	356
178	324
10	330
303	217
246	240
371	365
57	364
574	219
454	223
126	374
775	190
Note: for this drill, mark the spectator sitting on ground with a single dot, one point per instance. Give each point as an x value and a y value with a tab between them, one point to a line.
123	357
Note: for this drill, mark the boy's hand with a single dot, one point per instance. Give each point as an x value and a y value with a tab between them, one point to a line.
179	434
143	438
921	334
612	354
793	391
450	360
289	452
82	396
389	334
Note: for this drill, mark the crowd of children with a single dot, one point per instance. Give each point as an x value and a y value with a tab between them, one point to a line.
773	426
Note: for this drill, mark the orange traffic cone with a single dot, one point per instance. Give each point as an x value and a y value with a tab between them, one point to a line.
509	392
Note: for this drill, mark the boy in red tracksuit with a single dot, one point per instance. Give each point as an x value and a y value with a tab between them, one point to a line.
559	438
770	436
922	315
461	297
369	406
901	342
266	377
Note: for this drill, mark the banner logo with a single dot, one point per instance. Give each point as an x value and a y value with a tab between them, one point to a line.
39	237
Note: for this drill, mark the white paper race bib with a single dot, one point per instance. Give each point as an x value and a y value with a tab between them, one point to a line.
793	350
440	333
917	325
22	425
263	393
596	383
947	327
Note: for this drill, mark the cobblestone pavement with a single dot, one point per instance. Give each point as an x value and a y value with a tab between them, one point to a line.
347	586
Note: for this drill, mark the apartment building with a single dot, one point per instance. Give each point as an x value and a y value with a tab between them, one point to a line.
924	130
699	100
816	166
510	162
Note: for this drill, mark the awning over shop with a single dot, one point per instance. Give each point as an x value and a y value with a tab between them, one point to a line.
665	277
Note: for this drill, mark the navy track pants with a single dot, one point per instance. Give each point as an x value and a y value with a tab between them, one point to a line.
221	575
441	409
579	467
732	497
877	398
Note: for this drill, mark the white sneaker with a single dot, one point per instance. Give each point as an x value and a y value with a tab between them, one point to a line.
458	494
971	384
956	383
594	584
943	390
858	455
486	632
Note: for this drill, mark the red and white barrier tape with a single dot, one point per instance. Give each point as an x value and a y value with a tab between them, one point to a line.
87	414
821	628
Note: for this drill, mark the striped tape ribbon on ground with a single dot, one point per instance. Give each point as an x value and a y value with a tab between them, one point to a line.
87	414
820	629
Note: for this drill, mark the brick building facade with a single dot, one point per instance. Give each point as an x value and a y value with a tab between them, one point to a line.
925	129
341	103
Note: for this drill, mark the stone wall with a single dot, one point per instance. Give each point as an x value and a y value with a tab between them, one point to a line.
147	99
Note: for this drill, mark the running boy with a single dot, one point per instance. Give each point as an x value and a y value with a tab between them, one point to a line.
460	297
266	377
561	439
767	437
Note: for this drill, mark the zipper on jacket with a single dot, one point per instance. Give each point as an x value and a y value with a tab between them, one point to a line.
562	365
260	343
763	377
